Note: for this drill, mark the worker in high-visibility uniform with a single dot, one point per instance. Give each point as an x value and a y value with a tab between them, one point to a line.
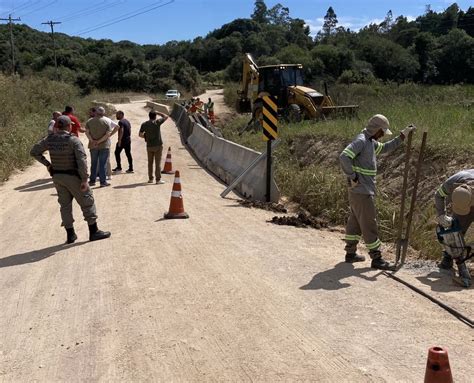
358	161
459	191
199	105
209	107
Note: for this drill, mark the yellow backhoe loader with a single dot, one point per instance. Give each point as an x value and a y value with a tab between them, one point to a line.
285	83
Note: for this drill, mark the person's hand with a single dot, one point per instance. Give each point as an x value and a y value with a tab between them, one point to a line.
353	182
410	128
445	221
84	186
94	144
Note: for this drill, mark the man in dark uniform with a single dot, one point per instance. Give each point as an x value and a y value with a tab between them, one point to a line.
68	167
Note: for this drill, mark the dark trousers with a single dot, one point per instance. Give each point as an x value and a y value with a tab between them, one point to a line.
128	152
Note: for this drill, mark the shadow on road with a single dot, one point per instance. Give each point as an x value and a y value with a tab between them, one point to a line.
132	186
35	255
42	184
332	279
440	281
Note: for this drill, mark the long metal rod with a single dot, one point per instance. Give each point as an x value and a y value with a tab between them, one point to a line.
404	193
246	171
449	309
413	196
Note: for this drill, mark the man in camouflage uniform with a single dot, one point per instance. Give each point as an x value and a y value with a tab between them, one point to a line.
359	163
68	167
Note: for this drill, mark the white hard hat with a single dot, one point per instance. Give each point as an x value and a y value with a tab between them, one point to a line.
377	122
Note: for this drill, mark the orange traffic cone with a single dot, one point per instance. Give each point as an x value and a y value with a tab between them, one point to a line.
168	169
437	367
176	204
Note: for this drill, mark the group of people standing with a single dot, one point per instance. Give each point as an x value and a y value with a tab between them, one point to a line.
68	159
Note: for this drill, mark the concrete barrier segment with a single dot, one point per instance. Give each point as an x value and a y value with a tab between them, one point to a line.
158	107
201	142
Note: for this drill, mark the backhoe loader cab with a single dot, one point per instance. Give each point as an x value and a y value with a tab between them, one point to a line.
285	83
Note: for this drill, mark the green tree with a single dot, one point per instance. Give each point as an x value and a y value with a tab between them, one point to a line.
260	12
455	57
279	15
330	22
386	25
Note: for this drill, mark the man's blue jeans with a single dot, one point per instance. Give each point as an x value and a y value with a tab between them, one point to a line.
99	156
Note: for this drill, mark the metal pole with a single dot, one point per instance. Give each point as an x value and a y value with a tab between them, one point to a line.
12	45
269	170
400	240
246	171
413	195
51	24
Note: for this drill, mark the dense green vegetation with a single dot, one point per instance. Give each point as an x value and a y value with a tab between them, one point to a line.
434	48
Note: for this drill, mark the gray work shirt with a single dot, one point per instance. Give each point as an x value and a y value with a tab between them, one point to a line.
359	160
65	151
444	192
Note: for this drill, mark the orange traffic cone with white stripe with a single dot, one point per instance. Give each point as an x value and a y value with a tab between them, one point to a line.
176	204
168	169
437	366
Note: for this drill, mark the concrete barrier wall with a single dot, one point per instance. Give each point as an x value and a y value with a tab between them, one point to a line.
225	159
158	107
201	142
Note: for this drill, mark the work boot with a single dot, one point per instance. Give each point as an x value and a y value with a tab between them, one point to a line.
71	235
353	257
447	262
95	234
381	264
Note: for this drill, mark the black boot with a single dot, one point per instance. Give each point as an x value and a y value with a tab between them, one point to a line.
95	234
353	257
71	235
381	264
447	262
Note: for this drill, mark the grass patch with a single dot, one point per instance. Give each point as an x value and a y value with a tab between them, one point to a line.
26	108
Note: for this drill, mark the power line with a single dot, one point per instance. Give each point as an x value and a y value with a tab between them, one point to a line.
23	6
40	8
10	24
88	10
127	16
52	24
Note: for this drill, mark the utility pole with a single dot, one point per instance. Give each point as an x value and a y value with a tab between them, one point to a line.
12	46
52	24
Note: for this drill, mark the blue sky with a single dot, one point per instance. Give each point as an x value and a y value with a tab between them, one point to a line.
187	19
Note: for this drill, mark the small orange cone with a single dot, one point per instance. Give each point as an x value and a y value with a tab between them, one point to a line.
437	367
176	204
168	169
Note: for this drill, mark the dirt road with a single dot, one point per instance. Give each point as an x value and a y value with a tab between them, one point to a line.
222	296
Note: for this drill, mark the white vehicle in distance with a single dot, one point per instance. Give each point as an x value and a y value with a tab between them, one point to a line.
173	93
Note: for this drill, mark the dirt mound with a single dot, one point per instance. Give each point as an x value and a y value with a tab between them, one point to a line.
300	220
437	166
270	206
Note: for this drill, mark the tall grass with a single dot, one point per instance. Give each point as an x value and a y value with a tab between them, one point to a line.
26	107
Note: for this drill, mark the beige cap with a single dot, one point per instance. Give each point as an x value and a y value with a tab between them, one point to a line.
462	200
377	122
